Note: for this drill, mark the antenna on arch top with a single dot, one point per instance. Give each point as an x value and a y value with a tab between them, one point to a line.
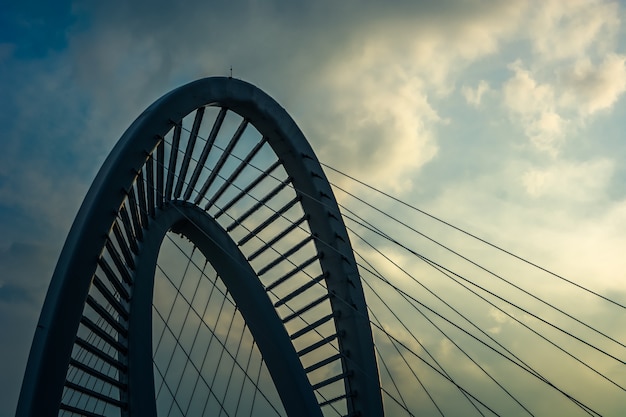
231	72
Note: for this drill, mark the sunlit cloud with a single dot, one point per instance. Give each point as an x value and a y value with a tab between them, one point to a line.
585	182
473	96
583	27
534	104
589	88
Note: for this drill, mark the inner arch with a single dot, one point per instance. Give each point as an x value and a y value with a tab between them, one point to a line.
206	362
241	281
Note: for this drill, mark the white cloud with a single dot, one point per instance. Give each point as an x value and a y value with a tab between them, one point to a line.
378	107
586	181
382	131
574	73
589	88
473	96
553	109
581	27
533	104
523	94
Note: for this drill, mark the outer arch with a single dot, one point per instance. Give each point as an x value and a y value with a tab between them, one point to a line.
52	344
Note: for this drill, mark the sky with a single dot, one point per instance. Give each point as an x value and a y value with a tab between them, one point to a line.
503	117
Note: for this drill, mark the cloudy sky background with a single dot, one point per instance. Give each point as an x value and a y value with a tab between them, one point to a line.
502	117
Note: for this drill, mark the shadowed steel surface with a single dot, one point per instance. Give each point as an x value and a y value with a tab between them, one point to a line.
246	175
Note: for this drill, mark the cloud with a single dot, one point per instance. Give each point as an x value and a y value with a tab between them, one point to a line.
552	110
21	270
473	96
24	277
378	95
583	27
589	88
574	73
52	199
549	214
377	66
534	105
375	88
18	321
390	130
583	182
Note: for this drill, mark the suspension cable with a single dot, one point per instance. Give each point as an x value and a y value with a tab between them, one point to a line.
386	214
497	248
397	200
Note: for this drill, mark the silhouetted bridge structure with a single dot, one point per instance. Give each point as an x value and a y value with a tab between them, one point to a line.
212	271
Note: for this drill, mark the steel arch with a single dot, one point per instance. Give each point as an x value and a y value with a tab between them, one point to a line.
68	293
240	279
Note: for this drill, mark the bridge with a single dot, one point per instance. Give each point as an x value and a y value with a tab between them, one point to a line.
217	267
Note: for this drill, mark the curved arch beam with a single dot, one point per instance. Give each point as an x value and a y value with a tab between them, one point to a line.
260	316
